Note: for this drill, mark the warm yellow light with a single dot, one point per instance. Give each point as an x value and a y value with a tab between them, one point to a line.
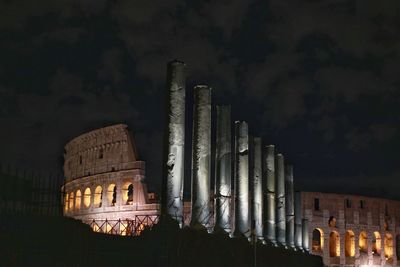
78	199
350	244
71	201
98	192
388	246
86	197
362	243
110	194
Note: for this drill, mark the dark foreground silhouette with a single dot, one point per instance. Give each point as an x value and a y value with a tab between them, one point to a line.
58	241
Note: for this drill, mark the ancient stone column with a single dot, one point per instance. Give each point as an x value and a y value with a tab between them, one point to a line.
297	221
305	236
223	173
269	173
241	176
258	202
280	200
289	205
201	156
173	164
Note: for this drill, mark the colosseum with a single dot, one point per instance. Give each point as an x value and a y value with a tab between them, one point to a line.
104	182
349	230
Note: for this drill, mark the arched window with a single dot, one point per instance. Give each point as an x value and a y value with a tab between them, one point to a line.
71	201
78	199
317	240
362	242
376	243
98	197
350	246
86	197
66	202
388	246
112	194
127	193
334	244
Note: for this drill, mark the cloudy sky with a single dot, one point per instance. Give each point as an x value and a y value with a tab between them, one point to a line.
319	79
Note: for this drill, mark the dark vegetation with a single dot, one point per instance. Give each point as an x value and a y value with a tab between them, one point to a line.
57	241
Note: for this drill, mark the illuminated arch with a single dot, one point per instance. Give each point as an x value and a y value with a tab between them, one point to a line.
66	202
127	193
78	199
376	243
388	246
317	240
350	246
71	201
86	197
334	244
98	197
363	243
112	194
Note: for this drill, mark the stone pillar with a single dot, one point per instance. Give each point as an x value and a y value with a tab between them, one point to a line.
280	200
269	172
305	235
258	203
223	169
174	144
289	205
201	156
241	176
297	219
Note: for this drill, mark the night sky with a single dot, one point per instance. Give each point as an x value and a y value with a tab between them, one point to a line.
319	79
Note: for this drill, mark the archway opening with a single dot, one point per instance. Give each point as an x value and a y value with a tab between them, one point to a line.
112	194
86	197
71	201
388	246
376	243
350	246
66	202
127	193
98	196
78	199
334	244
317	240
362	242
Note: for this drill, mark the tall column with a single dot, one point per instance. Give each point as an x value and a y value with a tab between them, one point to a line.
289	205
241	176
280	200
297	219
305	237
174	144
201	156
223	169
258	203
269	172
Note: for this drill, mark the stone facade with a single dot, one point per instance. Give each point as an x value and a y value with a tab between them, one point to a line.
104	180
349	230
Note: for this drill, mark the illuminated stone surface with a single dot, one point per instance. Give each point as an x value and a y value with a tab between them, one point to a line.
201	156
241	177
289	205
173	165
298	215
223	172
269	172
258	202
280	200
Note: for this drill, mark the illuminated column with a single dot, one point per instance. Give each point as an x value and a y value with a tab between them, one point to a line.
269	172
305	237
280	200
289	205
223	169
258	188
297	219
241	176
201	156
173	166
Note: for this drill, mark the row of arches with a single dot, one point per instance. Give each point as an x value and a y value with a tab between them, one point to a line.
75	200
350	243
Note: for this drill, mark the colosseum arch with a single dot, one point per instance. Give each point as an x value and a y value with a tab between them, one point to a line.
376	243
388	246
86	197
66	202
363	242
98	197
350	246
112	194
71	201
78	199
334	244
317	240
127	193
